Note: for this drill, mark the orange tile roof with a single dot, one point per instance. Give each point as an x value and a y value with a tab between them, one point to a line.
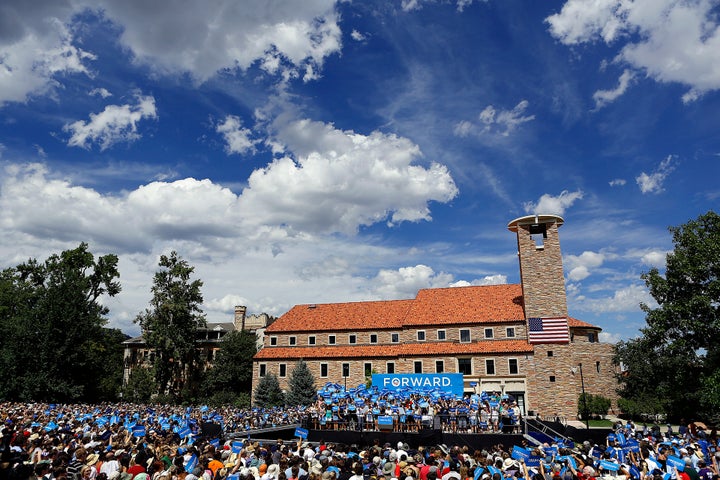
433	306
394	351
461	305
574	322
343	316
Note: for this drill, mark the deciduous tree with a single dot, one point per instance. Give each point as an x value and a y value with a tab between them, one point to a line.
52	321
675	359
170	325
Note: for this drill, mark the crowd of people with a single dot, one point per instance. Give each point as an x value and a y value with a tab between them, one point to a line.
124	442
406	410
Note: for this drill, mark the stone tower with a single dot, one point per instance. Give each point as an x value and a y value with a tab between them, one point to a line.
541	268
552	385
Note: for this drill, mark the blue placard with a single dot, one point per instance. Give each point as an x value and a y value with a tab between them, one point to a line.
611	466
620	438
533	461
519	453
676	462
138	431
301	432
384	420
446	382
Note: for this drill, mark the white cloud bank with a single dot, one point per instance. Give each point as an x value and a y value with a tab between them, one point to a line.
670	41
286	38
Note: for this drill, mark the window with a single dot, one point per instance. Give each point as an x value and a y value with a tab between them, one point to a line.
441	335
489	333
311	339
465	335
346	369
331	339
439	366
597	366
367	368
282	370
552	378
394	338
323	370
390	367
273	341
513	366
373	338
550	353
262	370
352	339
421	335
465	366
292	341
591	337
418	366
538	233
510	332
490	366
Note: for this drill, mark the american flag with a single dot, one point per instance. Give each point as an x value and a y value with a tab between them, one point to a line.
548	330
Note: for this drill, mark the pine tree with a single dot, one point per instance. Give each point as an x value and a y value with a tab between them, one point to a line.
302	385
268	393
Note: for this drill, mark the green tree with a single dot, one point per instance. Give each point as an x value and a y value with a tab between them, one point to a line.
52	321
140	386
268	392
302	390
675	358
232	368
169	326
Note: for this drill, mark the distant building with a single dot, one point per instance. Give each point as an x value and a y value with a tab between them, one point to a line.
208	339
514	339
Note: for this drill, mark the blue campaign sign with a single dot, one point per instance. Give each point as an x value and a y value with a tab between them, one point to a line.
620	438
533	461
519	453
385	420
607	465
676	462
445	382
301	432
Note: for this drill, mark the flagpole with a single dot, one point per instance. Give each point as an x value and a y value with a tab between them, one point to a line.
585	410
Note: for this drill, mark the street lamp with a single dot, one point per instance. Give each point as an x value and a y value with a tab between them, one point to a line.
585	409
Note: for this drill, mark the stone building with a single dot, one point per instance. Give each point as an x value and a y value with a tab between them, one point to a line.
137	353
515	339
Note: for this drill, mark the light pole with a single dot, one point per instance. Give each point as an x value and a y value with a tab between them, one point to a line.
585	409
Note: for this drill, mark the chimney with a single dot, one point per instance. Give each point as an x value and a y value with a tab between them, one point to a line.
239	322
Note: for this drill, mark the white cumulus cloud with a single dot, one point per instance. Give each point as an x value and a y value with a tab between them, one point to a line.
406	281
668	40
579	266
554	205
237	138
117	123
654	182
654	259
36	47
100	92
487	280
618	182
337	181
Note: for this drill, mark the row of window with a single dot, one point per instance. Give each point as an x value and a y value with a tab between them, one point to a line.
464	366
464	335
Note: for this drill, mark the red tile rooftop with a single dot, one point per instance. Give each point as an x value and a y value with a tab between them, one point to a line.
435	306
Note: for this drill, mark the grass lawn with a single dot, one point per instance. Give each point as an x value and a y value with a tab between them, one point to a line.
600	423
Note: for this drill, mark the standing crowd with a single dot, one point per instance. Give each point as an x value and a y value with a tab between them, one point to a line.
122	442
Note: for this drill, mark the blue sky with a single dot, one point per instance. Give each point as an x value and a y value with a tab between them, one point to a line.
320	151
